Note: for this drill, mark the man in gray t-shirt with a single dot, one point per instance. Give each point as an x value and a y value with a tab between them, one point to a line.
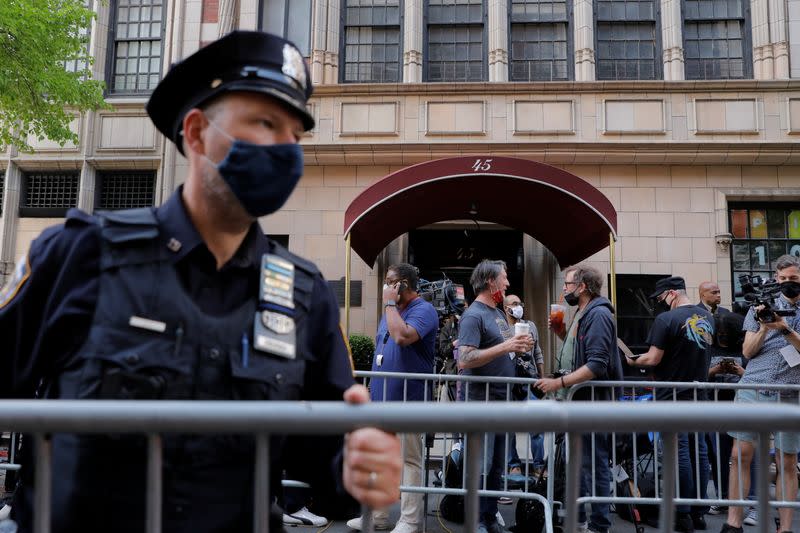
486	346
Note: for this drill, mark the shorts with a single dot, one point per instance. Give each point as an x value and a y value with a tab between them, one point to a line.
786	442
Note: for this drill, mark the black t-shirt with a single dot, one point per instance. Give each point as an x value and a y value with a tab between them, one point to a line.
684	334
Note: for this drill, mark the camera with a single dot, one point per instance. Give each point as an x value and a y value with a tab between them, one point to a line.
760	292
445	296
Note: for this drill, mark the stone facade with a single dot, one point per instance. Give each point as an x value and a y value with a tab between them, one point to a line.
670	155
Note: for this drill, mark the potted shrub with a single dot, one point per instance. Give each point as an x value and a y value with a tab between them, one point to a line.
362	349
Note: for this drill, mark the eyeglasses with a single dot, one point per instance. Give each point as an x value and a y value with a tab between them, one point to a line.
514	304
567	283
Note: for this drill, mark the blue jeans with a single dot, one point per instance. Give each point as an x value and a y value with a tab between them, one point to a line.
537	451
495	460
687	467
599	519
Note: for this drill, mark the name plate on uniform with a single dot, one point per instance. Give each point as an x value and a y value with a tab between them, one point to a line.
274	327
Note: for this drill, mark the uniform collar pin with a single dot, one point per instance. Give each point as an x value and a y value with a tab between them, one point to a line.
174	245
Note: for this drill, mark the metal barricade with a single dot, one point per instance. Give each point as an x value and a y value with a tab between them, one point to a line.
683	396
437	451
42	418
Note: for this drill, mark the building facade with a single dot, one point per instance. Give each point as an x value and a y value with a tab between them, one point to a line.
685	114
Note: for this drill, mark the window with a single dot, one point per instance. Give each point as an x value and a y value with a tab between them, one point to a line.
714	45
125	190
372	41
135	64
540	40
761	234
627	43
49	194
291	19
455	41
80	64
635	313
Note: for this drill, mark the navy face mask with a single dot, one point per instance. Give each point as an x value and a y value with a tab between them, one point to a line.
261	176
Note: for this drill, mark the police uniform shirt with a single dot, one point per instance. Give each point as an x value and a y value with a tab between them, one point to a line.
47	307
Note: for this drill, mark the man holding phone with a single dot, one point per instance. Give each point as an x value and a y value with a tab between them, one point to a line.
405	343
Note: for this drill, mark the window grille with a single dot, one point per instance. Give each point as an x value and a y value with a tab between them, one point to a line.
137	45
49	194
715	39
761	234
539	41
372	46
627	44
455	37
125	190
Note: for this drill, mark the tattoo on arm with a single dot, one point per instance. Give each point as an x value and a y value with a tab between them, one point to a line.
468	354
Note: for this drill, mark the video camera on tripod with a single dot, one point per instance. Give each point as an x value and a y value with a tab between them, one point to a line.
760	292
445	296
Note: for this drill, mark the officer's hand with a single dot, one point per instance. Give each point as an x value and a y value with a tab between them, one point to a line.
777	323
372	460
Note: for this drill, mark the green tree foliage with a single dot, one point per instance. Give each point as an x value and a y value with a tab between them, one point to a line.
38	95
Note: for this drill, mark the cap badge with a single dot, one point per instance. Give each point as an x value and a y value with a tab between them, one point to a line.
293	65
216	83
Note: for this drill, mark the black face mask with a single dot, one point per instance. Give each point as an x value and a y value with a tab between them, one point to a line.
790	289
663	306
571	298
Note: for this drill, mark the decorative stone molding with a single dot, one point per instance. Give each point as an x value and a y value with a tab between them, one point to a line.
673	54
498	55
412	57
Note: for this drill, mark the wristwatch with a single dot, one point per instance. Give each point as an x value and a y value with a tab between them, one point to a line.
390	303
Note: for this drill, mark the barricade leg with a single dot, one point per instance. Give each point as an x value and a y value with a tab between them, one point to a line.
762	481
154	484
473	476
666	515
262	504
44	480
573	483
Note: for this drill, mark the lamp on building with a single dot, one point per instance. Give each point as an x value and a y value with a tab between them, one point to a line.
724	241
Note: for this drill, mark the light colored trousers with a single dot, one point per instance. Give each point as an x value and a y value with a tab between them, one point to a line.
410	503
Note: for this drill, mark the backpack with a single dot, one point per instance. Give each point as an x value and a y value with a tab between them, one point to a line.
451	507
529	514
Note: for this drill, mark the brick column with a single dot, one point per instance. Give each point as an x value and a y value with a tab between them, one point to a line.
228	15
319	37
672	40
762	49
331	59
10	218
413	31
583	14
778	24
86	190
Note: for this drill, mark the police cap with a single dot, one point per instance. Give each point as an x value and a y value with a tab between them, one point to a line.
672	283
250	61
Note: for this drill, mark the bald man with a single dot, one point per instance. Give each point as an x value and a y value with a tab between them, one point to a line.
710	296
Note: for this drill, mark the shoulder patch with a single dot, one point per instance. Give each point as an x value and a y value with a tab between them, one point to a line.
18	278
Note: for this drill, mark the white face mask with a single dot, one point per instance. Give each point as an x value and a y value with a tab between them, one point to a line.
516	311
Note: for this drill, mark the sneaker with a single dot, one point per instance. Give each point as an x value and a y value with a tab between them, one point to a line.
379	524
727	528
405	527
752	517
718	509
582	527
5	511
304	517
504	500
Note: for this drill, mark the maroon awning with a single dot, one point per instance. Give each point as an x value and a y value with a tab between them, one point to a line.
563	212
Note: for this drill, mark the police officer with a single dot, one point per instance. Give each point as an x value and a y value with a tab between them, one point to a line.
189	301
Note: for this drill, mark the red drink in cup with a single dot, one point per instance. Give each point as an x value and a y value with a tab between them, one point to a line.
557	316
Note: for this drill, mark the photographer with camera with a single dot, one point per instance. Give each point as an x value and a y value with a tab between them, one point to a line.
771	344
404	343
590	343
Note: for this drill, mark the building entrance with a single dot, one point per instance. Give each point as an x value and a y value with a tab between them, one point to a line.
455	252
